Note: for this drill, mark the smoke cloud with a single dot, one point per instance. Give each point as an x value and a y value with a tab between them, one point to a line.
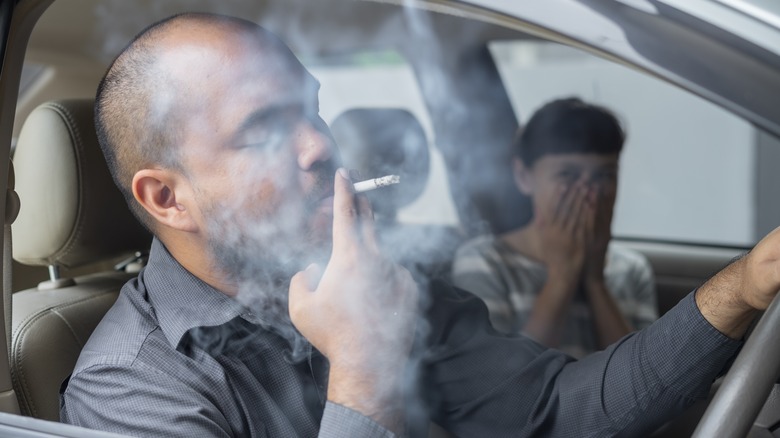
263	247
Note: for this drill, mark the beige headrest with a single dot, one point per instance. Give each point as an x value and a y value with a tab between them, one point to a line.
71	212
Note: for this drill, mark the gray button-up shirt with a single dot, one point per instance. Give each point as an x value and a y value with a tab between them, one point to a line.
175	357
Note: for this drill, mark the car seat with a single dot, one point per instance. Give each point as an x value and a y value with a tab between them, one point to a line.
385	141
71	215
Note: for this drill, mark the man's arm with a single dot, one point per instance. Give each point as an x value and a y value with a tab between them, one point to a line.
629	389
140	401
733	296
480	383
723	299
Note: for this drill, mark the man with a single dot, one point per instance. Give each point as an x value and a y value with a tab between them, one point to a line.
210	127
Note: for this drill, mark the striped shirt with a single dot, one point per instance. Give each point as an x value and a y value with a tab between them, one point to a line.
509	283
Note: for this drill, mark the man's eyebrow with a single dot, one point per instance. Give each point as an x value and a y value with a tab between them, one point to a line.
265	115
274	111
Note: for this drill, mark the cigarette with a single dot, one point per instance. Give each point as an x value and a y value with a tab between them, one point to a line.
371	184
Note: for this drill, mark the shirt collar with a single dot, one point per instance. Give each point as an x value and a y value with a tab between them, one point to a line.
182	301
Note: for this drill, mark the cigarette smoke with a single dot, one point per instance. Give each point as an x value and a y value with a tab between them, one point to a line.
264	252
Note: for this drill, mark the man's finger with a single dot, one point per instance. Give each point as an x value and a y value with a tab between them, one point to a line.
312	275
367	223
345	214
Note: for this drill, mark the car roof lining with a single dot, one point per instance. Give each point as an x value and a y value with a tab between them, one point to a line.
364	26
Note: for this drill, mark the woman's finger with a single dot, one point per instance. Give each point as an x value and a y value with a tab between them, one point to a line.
563	206
575	211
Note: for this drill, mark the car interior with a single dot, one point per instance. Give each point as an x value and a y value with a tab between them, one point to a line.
441	74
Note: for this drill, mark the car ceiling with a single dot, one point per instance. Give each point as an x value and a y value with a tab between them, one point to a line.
87	34
79	38
94	30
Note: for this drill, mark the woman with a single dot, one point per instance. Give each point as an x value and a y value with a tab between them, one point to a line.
558	279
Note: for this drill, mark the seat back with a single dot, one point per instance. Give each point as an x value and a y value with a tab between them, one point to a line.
71	215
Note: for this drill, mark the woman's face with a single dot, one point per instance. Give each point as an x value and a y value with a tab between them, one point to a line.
552	175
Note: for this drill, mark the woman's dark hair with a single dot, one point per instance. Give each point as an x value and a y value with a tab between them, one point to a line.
569	126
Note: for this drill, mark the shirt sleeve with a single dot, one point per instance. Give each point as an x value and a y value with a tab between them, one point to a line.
341	422
480	383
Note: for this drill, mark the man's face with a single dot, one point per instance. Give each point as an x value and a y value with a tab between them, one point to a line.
260	160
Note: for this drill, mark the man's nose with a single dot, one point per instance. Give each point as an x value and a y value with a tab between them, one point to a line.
315	145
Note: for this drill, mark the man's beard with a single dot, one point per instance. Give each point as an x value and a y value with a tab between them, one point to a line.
261	255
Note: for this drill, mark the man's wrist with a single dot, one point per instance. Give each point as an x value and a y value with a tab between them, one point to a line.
374	393
721	303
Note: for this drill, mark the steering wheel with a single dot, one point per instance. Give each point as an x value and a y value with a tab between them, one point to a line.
748	383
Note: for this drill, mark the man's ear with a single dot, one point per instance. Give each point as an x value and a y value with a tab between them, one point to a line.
522	175
166	197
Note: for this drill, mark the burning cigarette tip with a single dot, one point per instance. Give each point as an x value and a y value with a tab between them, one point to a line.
371	184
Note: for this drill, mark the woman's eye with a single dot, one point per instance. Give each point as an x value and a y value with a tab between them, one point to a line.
605	177
568	177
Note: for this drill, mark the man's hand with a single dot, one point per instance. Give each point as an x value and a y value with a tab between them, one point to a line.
763	272
360	313
730	299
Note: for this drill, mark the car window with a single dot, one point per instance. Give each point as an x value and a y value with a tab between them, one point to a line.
690	171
